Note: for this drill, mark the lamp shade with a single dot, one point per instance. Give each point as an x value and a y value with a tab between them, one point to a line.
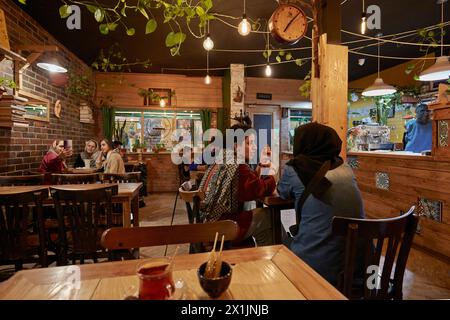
52	67
378	88
438	71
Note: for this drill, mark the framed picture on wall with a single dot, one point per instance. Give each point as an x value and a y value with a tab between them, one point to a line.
155	95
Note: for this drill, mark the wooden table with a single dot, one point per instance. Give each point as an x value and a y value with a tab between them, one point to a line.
128	195
276	204
82	170
266	273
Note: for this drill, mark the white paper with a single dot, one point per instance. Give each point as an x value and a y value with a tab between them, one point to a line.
288	218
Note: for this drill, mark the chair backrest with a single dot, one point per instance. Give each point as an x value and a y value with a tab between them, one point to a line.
16	213
127	238
131	167
128	177
85	213
194	197
73	178
371	234
27	180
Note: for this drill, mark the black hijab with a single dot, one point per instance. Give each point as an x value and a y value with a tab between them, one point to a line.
315	144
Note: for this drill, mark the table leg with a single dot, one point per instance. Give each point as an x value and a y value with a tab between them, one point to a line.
135	210
276	224
126	213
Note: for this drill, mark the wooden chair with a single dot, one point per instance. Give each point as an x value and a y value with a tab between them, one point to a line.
369	235
128	177
27	180
83	215
129	238
194	197
72	178
17	243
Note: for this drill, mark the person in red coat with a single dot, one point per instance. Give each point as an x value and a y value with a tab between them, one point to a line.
54	160
253	222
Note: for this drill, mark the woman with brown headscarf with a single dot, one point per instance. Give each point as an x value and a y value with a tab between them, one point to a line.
332	193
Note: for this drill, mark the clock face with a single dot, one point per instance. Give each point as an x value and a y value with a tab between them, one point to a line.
288	24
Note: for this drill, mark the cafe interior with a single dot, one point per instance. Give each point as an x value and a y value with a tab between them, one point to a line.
111	111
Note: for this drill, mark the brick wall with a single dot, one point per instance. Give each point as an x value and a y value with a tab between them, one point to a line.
21	148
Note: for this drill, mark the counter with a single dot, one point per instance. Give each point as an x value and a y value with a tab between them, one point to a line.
391	182
162	173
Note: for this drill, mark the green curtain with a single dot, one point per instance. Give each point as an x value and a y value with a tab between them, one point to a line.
220	120
206	119
108	122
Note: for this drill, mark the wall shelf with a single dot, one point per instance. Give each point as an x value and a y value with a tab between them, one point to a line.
11	55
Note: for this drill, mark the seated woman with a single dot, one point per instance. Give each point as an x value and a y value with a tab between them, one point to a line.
336	194
54	160
235	188
113	161
91	153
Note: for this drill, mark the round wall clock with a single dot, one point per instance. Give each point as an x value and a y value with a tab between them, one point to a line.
288	24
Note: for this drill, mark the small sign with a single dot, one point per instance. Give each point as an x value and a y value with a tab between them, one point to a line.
263	96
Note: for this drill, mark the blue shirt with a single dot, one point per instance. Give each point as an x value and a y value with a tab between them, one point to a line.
418	136
314	243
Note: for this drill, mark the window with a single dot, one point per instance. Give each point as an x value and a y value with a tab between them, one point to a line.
155	128
297	117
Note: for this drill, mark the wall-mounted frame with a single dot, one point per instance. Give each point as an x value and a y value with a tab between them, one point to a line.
37	108
156	94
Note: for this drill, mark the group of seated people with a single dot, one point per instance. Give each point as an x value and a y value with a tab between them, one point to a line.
106	157
335	193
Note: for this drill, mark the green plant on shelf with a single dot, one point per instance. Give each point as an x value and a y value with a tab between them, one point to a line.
6	83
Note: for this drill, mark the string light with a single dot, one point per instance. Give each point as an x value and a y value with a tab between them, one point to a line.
162	102
268	70
363	19
244	27
208	43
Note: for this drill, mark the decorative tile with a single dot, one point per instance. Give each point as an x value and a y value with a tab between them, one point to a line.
382	180
443	133
353	162
430	209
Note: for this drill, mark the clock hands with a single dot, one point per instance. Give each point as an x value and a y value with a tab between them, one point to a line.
288	25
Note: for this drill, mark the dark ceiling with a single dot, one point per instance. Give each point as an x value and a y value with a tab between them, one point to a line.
396	16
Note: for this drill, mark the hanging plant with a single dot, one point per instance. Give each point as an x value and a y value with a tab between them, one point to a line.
111	17
115	60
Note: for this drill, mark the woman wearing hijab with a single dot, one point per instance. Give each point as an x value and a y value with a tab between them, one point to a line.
54	159
335	193
91	153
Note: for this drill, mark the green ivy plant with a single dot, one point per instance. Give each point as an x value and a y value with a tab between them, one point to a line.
305	88
283	55
115	60
6	83
112	17
429	40
80	86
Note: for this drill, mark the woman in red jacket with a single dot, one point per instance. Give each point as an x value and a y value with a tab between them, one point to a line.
253	222
54	160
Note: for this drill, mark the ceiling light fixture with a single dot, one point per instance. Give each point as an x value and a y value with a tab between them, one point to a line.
363	19
208	43
441	69
268	70
244	27
378	88
51	67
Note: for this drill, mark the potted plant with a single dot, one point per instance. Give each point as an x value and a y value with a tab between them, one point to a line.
6	86
137	146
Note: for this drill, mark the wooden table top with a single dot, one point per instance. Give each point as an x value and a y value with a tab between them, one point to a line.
125	189
82	170
275	200
266	273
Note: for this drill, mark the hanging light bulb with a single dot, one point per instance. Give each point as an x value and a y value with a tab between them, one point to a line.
207	79
363	23
363	19
379	88
208	44
162	102
244	27
441	69
268	70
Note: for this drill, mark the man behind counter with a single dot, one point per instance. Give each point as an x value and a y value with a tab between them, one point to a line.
419	131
